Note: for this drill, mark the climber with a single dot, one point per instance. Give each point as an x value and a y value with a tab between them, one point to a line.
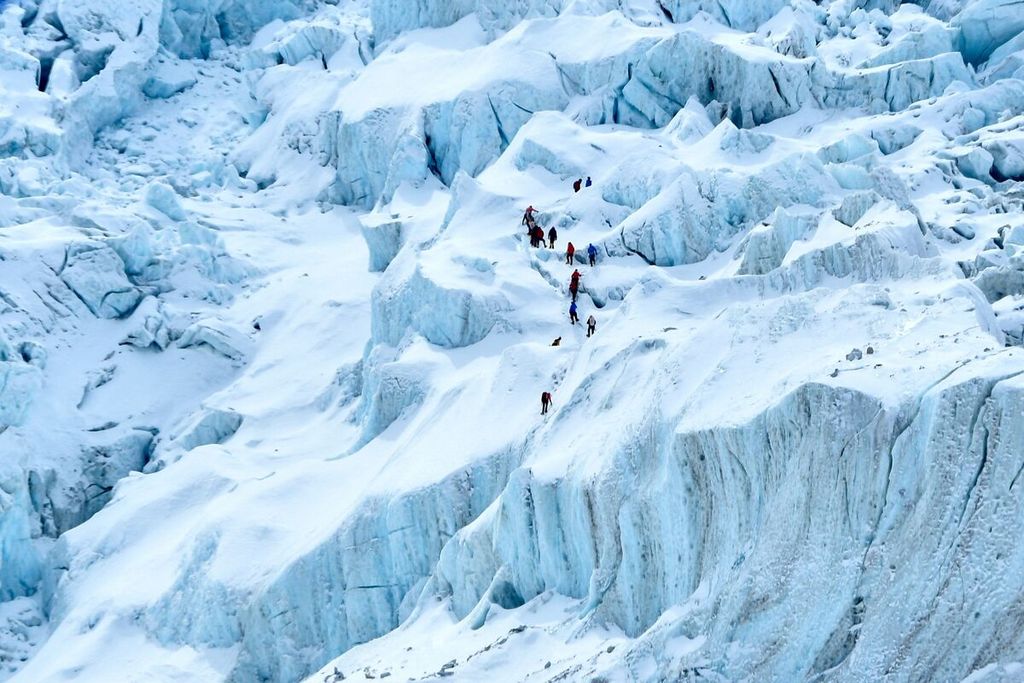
538	236
552	236
592	253
573	317
588	183
570	251
545	401
557	342
574	288
591	325
576	185
575	277
528	215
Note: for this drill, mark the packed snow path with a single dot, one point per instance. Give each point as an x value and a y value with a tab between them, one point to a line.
272	340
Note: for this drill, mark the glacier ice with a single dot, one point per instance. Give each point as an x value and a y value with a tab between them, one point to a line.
271	337
96	274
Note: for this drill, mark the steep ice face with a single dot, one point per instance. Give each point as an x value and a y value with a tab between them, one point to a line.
790	451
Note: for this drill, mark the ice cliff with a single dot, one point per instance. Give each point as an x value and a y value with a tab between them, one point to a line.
272	340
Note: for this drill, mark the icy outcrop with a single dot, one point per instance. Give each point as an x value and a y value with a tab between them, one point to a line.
190	29
737	14
588	538
854	206
766	245
697	215
411	300
164	199
219	336
209	426
96	274
893	138
102	466
168	78
976	163
759	87
20	380
1007	156
756	90
152	329
987	24
388	146
385	239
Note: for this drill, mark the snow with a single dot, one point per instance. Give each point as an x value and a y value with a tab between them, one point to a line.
271	340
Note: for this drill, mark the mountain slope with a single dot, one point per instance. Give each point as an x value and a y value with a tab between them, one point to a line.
272	339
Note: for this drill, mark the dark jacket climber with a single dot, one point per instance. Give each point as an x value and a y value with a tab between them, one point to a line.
552	236
545	401
570	251
591	325
557	342
538	235
576	185
588	183
573	317
592	253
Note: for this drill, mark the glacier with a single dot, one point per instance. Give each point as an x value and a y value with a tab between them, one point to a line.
272	337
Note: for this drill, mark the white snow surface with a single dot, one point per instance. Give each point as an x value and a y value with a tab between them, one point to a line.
272	340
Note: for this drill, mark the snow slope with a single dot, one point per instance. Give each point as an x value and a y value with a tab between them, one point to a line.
272	338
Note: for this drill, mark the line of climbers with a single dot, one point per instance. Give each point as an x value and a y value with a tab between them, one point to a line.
536	235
